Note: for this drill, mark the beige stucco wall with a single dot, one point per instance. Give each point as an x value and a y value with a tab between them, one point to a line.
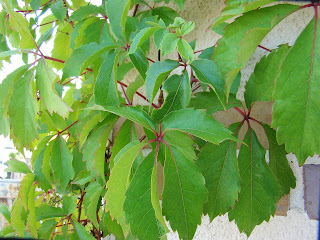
296	225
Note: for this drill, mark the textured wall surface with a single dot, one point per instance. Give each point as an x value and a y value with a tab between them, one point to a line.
296	225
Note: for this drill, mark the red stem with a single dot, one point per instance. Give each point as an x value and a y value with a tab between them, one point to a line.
150	60
242	113
267	49
125	95
59	132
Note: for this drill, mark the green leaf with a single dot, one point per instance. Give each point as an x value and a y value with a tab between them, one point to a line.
61	162
123	138
296	109
156	75
61	49
46	36
219	166
35	4
45	83
167	14
92	208
133	87
185	50
82	232
83	178
17	166
86	126
19	24
118	181
278	162
169	43
134	114
95	147
8	53
208	73
4	210
86	11
184	193
210	101
46	229
31	221
111	225
141	37
16	218
180	3
105	88
77	163
158	37
236	7
117	11
197	123
69	204
26	184
179	94
139	211
59	10
38	165
99	32
207	53
243	36
23	109
44	211
81	57
261	83
260	190
140	62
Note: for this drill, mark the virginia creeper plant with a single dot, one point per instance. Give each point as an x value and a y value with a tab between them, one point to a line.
63	106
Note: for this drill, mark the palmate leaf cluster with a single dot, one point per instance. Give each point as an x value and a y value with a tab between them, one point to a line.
64	107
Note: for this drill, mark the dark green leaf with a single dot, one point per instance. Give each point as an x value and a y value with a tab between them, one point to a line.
184	193
81	57
46	229
208	73
105	88
297	103
165	13
99	32
45	211
207	53
260	190
111	225
134	114
219	166
197	123
156	74
210	101
261	83
140	62
82	232
179	93
278	162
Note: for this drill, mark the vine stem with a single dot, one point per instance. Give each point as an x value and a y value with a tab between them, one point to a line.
59	132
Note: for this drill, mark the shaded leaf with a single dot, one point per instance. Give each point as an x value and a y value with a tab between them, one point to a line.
219	166
261	83
69	204
82	232
44	211
156	75
81	57
179	93
210	101
278	162
46	229
260	190
16	219
165	13
59	10
105	88
208	73
140	62
31	221
93	206
26	184
111	225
